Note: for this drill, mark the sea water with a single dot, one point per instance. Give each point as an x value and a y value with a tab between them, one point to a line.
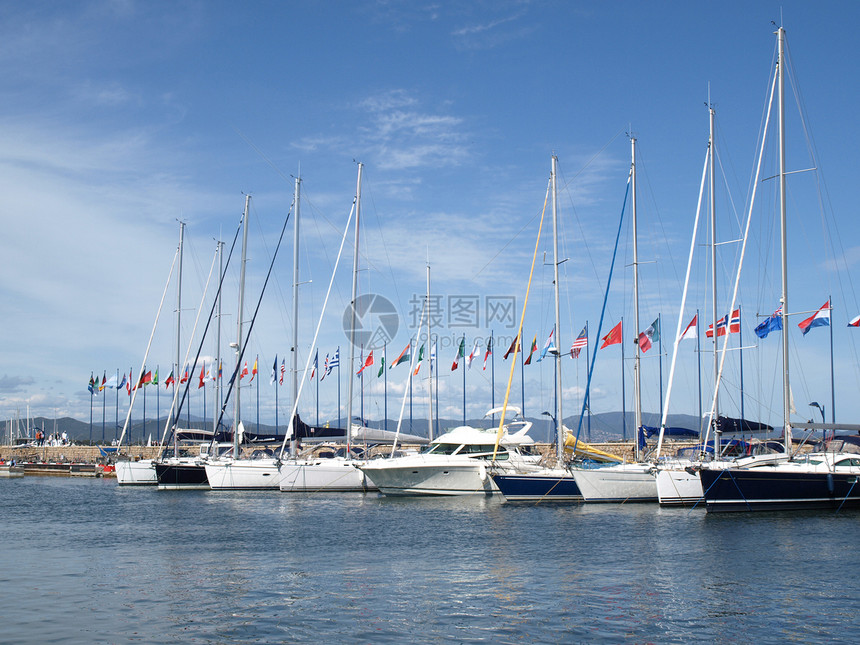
82	560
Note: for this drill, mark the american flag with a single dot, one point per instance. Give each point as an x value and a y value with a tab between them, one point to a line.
580	342
283	370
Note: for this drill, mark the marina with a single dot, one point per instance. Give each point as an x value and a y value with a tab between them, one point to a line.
419	323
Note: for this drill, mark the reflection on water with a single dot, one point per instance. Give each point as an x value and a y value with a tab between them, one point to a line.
85	560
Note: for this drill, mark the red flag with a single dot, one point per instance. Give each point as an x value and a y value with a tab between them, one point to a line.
170	380
184	375
202	375
511	348
367	363
613	337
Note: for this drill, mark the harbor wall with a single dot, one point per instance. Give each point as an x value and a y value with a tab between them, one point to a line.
91	454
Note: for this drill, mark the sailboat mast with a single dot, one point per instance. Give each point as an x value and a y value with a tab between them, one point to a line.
237	407
713	207
216	370
295	353
559	418
786	388
429	357
351	364
178	333
637	405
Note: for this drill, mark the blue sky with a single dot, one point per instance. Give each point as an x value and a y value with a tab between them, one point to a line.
119	118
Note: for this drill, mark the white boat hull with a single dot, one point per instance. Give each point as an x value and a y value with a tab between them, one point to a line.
423	477
9	471
136	473
677	487
617	483
244	474
324	476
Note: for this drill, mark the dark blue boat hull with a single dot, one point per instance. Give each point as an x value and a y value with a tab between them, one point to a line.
754	490
538	488
179	476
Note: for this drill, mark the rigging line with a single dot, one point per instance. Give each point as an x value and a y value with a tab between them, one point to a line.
289	431
595	156
507	244
384	248
286	319
642	168
253	321
148	346
190	345
519	339
603	309
719	374
276	169
208	322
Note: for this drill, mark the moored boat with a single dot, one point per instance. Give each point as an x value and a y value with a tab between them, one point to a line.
455	463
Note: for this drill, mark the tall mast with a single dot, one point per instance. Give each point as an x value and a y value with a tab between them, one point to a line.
351	364
237	408
637	405
217	369
429	355
786	388
713	206
295	353
559	418
178	332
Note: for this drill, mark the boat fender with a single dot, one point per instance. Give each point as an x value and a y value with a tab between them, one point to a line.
482	472
830	483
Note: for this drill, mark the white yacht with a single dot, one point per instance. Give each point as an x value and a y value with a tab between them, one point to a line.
456	463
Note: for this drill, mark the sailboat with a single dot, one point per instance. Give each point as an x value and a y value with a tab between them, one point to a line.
341	472
678	481
142	472
553	483
821	479
267	472
624	482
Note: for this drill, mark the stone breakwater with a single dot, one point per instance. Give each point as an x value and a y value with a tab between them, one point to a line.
92	455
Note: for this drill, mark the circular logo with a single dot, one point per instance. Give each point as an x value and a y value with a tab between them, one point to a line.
376	321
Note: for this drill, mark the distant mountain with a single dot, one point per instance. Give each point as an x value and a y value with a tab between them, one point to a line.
606	426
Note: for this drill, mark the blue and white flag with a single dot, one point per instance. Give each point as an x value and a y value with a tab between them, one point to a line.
335	361
773	323
547	345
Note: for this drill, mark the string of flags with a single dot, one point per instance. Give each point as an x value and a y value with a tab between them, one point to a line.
728	324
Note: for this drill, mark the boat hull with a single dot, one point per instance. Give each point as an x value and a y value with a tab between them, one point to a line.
181	476
620	483
9	471
538	487
778	489
136	473
678	487
423	478
255	474
324	476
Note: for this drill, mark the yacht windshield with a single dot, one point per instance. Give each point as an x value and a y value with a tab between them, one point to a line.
443	448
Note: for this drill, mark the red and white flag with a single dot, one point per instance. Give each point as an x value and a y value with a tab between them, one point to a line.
690	331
